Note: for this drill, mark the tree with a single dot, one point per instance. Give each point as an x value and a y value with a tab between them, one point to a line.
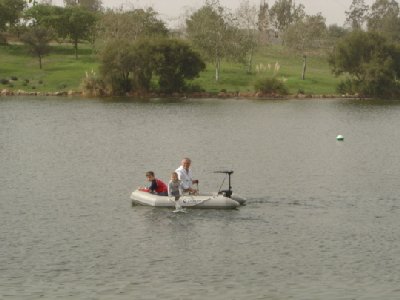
70	22
214	35
116	63
306	34
37	38
335	32
357	15
130	25
175	62
77	24
131	66
263	22
10	12
371	62
384	18
91	5
248	20
285	13
45	15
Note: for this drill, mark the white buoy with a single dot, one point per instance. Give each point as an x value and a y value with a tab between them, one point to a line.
340	137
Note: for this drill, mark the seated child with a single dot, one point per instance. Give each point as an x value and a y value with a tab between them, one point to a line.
175	186
157	186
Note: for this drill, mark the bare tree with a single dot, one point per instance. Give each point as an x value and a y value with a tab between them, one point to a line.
285	13
305	35
384	18
248	21
357	15
215	34
264	22
37	38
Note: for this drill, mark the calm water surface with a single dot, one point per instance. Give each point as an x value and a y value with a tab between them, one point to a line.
322	220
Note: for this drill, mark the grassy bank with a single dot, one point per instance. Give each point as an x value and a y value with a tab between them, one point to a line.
233	77
62	72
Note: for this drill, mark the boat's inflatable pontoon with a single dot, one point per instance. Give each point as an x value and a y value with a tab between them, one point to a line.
186	201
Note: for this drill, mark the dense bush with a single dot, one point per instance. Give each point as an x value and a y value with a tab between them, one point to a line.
345	87
371	62
271	85
378	87
134	67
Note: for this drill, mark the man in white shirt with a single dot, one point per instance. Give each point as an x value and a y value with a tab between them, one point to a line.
186	177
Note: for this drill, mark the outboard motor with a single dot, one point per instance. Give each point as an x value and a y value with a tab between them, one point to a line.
228	192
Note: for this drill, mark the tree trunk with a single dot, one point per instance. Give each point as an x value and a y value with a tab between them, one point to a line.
76	48
250	62
40	62
303	75
217	67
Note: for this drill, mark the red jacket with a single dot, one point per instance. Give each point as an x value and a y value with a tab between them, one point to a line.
157	186
161	187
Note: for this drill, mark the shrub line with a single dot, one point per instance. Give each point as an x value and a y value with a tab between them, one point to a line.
194	95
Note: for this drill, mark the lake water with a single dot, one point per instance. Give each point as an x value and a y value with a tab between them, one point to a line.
322	219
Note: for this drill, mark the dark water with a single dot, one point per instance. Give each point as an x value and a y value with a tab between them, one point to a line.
322	220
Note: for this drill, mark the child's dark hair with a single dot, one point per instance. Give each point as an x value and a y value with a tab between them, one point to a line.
150	173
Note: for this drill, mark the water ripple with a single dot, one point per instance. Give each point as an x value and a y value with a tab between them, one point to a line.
321	221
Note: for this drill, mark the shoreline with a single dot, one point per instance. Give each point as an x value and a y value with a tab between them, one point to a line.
194	95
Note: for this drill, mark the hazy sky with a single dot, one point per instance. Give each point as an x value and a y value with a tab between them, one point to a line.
171	10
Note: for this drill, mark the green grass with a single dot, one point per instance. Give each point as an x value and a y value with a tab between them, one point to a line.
233	77
62	72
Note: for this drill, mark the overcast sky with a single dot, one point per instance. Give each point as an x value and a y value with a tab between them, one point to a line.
171	10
